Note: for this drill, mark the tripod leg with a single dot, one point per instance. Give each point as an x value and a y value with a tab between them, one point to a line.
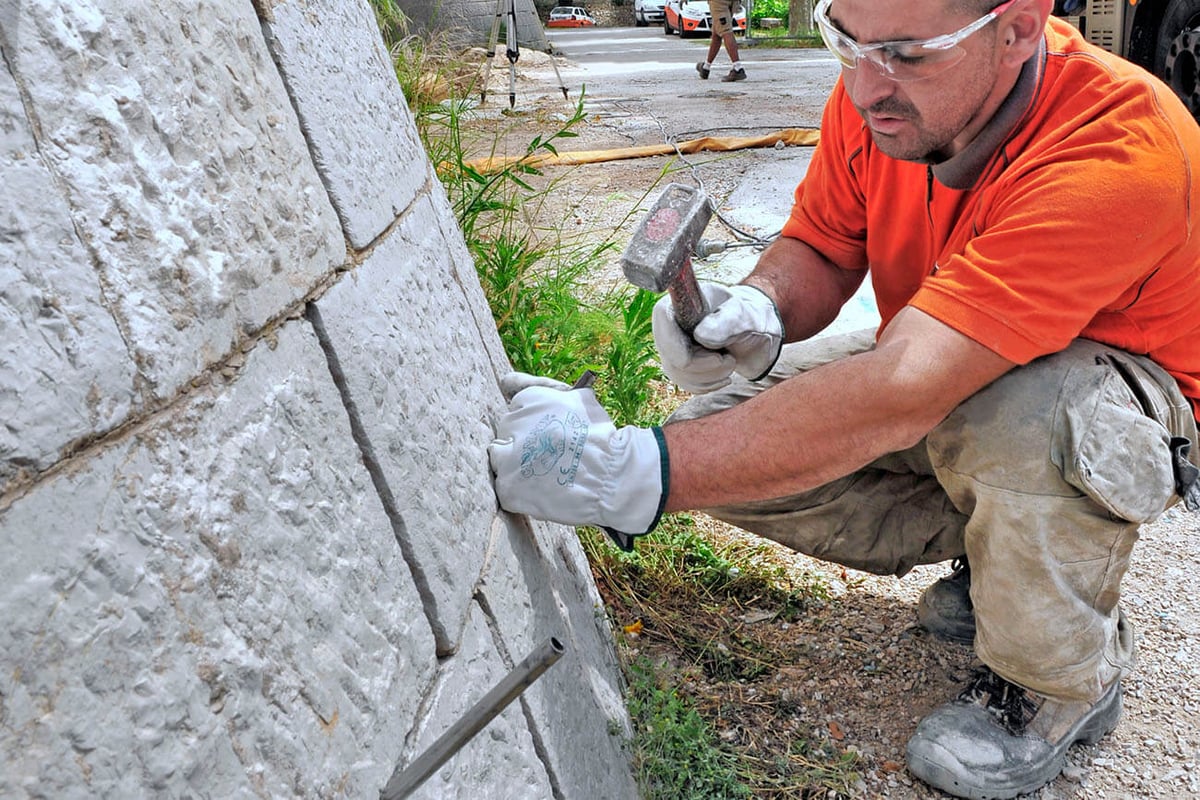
557	74
493	37
513	52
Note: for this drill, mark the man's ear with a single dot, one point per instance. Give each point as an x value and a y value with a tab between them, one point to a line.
1021	29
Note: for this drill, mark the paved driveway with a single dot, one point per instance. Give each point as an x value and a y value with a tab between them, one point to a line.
785	88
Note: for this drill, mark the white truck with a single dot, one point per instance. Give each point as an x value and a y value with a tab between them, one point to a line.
1161	35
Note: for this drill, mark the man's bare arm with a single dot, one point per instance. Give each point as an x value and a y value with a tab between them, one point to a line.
808	288
823	424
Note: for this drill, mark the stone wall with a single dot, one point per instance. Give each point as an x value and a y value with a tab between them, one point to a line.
247	380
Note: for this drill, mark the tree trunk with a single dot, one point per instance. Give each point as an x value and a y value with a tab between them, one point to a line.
799	17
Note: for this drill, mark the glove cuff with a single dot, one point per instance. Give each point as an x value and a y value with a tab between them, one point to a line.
778	341
647	473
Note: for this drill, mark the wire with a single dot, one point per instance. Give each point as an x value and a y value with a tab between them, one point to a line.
745	238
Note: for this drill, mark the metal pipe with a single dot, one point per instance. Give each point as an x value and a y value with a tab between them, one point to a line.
405	782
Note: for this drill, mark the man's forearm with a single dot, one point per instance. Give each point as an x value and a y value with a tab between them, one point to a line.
808	289
820	425
805	432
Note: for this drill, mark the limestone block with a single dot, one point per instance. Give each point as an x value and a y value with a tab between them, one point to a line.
532	589
65	372
169	129
462	266
350	104
426	393
215	606
500	760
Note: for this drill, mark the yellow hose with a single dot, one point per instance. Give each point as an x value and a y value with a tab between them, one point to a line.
789	136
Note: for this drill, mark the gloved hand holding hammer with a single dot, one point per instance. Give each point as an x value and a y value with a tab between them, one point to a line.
743	333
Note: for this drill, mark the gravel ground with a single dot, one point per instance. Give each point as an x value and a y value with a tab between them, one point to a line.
865	666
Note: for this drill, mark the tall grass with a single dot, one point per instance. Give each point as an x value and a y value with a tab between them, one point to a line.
552	317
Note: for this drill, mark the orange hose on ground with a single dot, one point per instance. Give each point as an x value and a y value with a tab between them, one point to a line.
789	136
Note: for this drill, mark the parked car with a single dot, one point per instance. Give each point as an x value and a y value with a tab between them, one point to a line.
569	17
691	18
647	11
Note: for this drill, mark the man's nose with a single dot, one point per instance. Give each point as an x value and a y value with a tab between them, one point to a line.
867	83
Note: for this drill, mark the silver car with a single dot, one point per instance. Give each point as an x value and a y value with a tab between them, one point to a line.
647	11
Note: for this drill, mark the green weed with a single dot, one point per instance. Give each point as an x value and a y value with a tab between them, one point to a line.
676	755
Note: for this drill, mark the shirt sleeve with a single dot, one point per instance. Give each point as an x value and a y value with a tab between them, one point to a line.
829	211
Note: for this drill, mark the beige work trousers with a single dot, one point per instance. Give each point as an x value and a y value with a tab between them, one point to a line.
1041	479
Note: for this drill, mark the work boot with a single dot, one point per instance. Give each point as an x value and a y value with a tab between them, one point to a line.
945	608
738	74
998	740
703	70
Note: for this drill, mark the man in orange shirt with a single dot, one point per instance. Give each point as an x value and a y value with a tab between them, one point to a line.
1028	401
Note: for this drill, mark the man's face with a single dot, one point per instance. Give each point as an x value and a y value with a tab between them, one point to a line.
924	120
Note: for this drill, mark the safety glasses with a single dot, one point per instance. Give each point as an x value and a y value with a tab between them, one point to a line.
901	61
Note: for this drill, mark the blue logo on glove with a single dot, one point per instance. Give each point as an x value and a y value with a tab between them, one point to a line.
546	444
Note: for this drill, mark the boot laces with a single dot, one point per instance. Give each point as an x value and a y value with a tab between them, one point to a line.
1010	704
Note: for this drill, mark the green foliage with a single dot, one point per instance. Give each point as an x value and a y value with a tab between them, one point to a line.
677	757
551	319
393	24
678	559
631	367
769	8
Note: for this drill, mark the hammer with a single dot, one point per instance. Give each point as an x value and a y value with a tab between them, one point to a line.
658	256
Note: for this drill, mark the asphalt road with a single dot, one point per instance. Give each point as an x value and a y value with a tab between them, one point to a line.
785	87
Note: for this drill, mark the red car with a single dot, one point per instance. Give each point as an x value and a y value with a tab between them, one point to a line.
569	17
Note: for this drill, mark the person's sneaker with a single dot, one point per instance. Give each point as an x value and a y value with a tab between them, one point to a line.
735	75
703	70
998	740
945	608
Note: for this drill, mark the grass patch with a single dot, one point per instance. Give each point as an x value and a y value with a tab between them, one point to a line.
709	608
676	755
682	590
779	37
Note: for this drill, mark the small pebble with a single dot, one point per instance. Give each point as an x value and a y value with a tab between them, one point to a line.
1074	773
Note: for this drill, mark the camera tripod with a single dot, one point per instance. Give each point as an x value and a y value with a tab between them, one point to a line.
506	10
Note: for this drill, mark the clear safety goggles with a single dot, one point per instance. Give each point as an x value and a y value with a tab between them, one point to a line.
911	60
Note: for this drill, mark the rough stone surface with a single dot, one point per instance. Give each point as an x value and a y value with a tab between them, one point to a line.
351	109
503	754
65	372
188	178
425	393
219	607
245	505
521	589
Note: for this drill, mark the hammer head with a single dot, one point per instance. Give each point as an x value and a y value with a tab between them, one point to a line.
663	242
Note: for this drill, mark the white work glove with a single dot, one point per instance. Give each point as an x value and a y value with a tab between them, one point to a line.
557	456
741	333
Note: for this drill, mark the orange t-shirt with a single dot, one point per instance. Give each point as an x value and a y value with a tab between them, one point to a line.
1070	216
